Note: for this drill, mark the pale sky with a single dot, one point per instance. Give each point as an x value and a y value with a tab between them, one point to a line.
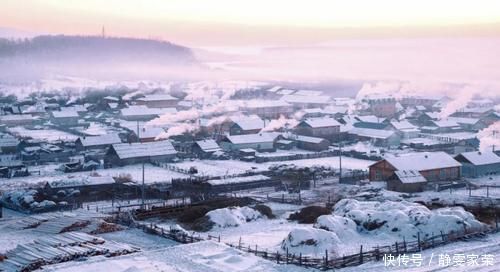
229	22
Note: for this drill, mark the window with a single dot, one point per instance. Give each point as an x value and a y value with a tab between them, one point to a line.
378	174
442	174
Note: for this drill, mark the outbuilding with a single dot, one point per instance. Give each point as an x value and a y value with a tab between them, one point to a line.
479	163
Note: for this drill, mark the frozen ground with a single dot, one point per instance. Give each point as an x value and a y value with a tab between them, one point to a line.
347	162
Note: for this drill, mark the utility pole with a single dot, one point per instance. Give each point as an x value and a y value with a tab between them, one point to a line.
494	133
340	162
142	187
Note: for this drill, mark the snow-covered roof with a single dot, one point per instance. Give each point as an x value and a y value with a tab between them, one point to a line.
258	104
370	119
157	97
372	133
445	123
111	98
308	93
321	122
274	89
481	158
8	141
465	121
208	145
65	114
285	91
136	150
105	139
308	139
410	176
249	122
422	161
246	179
300	99
402	125
251	138
149	132
141	110
84	181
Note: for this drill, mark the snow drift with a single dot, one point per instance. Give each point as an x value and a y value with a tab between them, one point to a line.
311	241
233	216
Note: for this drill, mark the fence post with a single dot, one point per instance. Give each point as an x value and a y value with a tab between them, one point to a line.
377	254
432	240
286	257
404	244
496	221
442	236
239	243
418	241
397	248
361	254
487	191
219	238
277	257
300	258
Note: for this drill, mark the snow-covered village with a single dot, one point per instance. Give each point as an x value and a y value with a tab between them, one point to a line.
121	153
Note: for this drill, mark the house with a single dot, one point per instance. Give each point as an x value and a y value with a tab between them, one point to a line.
143	113
381	106
311	143
469	124
442	126
325	127
148	134
132	153
65	117
205	148
406	181
423	101
84	184
96	142
434	166
300	101
379	137
269	109
246	125
18	120
8	144
479	163
370	121
158	101
476	112
405	128
259	142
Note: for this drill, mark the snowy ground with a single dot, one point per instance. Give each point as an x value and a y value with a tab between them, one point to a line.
430	258
203	257
347	162
153	174
49	135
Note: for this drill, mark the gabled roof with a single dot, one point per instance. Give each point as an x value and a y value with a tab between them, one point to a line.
370	119
422	161
321	122
251	138
410	176
308	139
106	139
83	181
372	133
149	132
141	110
465	121
8	141
157	97
65	114
445	123
252	122
480	157
403	125
308	93
138	150
274	89
208	145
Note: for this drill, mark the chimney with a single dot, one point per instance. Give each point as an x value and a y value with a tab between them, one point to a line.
426	156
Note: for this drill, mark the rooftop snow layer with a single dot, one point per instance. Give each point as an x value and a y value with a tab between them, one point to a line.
481	158
105	139
321	122
422	161
135	150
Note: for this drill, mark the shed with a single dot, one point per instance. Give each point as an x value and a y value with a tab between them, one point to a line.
97	142
407	181
479	163
131	153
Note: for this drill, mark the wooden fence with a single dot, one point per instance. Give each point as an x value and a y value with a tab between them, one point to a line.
375	254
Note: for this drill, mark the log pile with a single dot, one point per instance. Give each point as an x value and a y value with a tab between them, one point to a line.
60	248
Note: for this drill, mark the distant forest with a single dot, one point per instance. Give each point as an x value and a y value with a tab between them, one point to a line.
95	49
